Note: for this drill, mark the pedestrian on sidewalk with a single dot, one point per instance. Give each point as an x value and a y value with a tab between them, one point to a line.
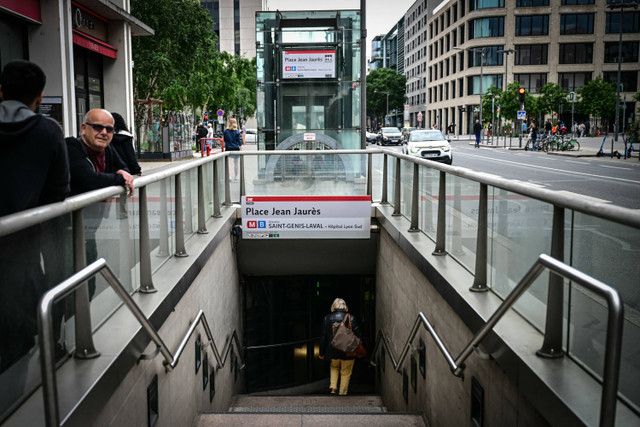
341	364
477	129
233	142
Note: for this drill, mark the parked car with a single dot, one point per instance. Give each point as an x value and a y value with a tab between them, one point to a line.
251	137
389	135
429	144
406	131
371	137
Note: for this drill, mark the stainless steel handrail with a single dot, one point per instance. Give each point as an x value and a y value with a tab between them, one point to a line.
45	332
281	344
613	339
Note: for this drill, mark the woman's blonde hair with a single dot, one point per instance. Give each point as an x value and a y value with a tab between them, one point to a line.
233	125
339	304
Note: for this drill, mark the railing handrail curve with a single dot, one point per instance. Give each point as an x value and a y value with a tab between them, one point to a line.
65	288
613	344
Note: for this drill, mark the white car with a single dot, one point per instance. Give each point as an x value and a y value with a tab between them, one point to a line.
251	137
429	144
371	137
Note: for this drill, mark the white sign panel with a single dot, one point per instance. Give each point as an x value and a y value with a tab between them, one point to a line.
309	136
309	64
306	217
522	115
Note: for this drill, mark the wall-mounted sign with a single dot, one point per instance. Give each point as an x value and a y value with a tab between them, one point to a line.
309	136
306	217
88	22
52	107
308	64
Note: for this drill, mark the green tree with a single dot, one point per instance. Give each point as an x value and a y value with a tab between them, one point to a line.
597	98
491	93
384	80
552	95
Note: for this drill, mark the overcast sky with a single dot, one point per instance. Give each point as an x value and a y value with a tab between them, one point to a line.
381	14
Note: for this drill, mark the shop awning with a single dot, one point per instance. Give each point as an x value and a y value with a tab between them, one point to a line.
112	12
94	44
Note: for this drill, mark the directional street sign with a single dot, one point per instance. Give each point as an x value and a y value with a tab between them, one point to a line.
522	115
419	117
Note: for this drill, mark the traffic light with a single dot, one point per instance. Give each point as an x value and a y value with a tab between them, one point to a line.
521	93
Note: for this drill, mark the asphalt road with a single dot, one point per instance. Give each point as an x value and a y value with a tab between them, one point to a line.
606	179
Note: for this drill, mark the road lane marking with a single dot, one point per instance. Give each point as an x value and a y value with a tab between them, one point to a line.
556	170
591	199
614	167
577	162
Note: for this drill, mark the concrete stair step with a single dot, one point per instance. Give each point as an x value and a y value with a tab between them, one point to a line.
364	403
238	419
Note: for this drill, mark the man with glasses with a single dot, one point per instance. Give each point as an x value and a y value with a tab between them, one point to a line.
93	162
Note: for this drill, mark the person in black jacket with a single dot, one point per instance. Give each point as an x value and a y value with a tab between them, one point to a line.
477	129
35	172
93	162
233	142
341	364
123	143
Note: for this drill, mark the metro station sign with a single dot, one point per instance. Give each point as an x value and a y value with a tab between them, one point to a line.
306	217
308	64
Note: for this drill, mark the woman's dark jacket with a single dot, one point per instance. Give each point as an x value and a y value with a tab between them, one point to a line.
326	350
477	128
123	143
84	176
232	140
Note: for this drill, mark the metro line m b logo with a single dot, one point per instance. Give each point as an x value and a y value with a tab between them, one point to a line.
256	224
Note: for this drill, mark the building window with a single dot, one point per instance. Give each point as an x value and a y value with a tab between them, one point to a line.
453	89
579	23
487	27
629	52
455	12
531	54
453	63
491	57
460	87
462	11
461	61
485	4
630	22
454	38
532	3
532	82
577	2
462	34
473	83
628	80
532	25
576	53
573	81
236	26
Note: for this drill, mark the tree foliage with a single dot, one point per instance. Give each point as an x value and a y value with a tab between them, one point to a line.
385	80
180	64
552	95
597	98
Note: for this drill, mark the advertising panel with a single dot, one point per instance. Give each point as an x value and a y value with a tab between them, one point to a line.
308	64
306	217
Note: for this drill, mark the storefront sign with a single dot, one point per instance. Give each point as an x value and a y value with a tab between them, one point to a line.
52	107
306	217
88	22
309	64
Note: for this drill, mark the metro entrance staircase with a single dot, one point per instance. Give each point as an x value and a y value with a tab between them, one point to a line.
290	411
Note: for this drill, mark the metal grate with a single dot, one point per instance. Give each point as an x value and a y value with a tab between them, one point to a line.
308	409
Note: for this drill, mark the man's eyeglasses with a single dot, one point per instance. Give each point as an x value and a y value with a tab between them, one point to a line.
99	128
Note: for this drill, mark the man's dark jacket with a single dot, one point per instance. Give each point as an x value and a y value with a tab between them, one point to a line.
123	143
326	349
33	159
84	176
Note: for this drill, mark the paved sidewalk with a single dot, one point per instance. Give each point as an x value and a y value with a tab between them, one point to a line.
589	146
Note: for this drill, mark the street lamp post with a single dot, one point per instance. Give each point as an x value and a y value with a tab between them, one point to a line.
619	4
481	50
387	114
504	81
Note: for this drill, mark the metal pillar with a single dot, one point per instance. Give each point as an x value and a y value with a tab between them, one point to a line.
202	226
396	195
480	280
441	226
415	199
180	250
146	279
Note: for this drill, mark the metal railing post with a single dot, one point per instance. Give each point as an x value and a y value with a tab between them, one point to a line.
369	174
552	344
441	226
385	177
163	245
180	250
242	182
216	189
415	199
480	280
85	349
146	278
396	195
202	226
227	185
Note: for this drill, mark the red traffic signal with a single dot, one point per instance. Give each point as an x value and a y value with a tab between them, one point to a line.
521	93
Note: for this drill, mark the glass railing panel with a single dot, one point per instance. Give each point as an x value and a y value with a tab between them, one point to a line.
32	261
391	178
462	220
610	253
376	176
428	200
519	231
128	228
190	201
406	188
160	203
207	178
324	173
